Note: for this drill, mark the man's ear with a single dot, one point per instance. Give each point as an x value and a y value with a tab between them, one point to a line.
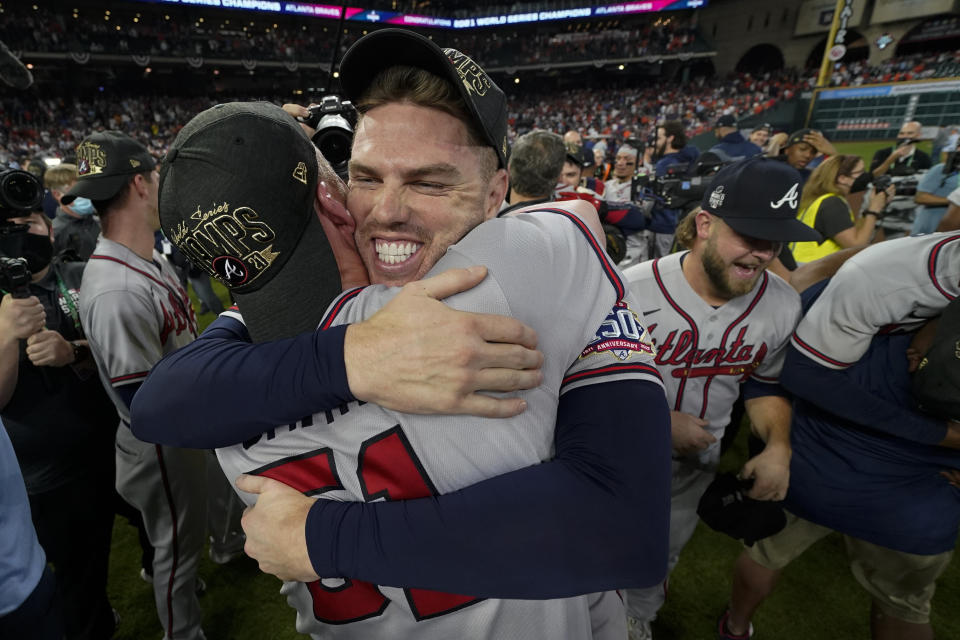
496	192
704	222
333	209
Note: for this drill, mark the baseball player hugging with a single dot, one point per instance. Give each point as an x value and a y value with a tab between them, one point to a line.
719	321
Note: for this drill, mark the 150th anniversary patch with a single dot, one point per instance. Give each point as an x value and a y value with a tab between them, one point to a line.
621	335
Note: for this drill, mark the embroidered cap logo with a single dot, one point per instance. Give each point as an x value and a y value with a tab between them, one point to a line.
790	198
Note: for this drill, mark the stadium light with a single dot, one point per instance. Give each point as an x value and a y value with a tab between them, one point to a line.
620	67
336	74
516	81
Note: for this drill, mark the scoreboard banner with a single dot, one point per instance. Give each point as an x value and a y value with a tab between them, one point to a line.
356	14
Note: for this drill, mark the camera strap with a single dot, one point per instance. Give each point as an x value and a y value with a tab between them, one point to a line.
71	305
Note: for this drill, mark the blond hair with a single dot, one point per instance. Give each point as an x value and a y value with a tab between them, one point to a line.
61	176
686	231
823	180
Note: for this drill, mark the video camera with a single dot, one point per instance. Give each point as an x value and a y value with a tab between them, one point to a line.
905	186
683	185
20	193
334	121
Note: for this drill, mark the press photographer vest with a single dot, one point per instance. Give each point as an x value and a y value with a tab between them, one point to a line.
810	251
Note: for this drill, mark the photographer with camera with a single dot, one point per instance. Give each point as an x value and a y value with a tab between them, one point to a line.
904	158
932	192
824	207
59	419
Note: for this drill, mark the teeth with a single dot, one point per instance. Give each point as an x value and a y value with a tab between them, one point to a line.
396	252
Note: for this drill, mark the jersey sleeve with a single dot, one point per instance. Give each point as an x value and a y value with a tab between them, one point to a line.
270	383
124	331
837	329
833	217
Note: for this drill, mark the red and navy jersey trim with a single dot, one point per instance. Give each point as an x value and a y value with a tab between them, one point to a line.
821	356
694	329
608	268
932	265
130	377
613	369
338	307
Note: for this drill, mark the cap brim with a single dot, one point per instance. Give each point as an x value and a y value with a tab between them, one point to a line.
773	229
296	298
95	188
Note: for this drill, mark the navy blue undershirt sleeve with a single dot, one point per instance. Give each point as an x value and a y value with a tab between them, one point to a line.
751	389
223	390
836	392
594	518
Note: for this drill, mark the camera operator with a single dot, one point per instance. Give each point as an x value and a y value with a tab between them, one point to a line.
61	423
932	192
621	192
671	149
824	207
903	158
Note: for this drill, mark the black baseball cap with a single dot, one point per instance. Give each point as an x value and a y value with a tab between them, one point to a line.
725	507
237	192
578	155
797	137
105	162
387	48
936	382
727	120
758	197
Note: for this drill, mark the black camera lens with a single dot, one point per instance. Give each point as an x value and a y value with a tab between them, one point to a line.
334	145
20	190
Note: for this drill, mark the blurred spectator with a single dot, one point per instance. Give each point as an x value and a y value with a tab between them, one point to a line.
932	191
904	158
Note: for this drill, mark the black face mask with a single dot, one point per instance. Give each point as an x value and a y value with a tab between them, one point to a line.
903	141
37	250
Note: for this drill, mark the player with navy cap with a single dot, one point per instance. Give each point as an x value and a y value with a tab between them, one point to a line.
721	323
508	536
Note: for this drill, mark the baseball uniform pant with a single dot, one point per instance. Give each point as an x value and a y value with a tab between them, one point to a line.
687	486
168	486
224	510
902	584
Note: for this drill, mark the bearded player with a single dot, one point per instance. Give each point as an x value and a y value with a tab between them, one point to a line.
721	321
520	517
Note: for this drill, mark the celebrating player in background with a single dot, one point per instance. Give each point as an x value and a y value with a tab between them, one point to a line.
419	181
866	463
535	166
134	311
61	424
720	320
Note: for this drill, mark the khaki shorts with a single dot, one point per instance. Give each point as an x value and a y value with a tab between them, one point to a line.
902	584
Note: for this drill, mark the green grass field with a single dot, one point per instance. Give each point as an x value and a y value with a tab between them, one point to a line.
817	599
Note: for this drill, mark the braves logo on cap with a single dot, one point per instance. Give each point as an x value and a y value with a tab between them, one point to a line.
621	335
790	198
230	270
91	159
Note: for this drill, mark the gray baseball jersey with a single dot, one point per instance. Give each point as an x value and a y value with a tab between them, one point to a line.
546	270
895	285
704	353
135	312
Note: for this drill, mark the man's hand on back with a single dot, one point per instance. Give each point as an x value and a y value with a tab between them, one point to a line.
419	356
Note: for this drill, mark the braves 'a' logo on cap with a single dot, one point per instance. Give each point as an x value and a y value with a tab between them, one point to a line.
91	159
231	270
790	197
716	198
